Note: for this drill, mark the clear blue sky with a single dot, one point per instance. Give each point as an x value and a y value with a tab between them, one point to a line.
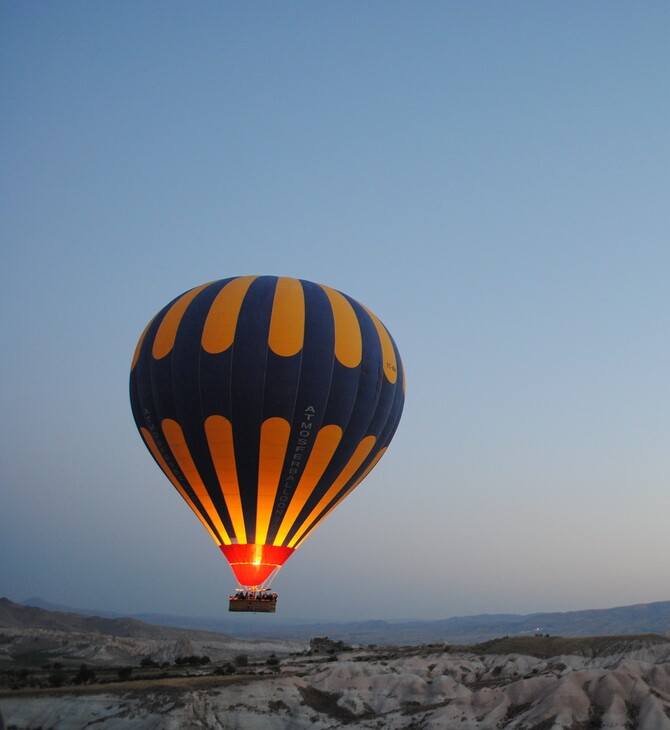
490	178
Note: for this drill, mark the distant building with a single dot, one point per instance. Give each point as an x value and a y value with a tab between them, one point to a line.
324	645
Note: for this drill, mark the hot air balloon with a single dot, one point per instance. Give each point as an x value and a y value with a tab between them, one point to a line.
265	400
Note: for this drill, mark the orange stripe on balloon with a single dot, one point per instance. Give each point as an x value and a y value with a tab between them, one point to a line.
219	330
327	440
344	496
287	325
167	330
219	432
275	434
139	344
358	457
348	339
388	352
151	444
177	443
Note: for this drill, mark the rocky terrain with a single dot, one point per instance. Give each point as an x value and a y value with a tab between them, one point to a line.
55	678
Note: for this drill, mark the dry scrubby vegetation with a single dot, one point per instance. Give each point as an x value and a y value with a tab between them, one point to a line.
545	647
58	674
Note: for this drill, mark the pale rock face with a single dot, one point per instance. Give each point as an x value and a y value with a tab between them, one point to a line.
363	690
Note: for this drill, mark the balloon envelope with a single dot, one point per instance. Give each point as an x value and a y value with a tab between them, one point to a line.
265	400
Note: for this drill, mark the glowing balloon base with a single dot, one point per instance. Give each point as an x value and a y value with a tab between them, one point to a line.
255	565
